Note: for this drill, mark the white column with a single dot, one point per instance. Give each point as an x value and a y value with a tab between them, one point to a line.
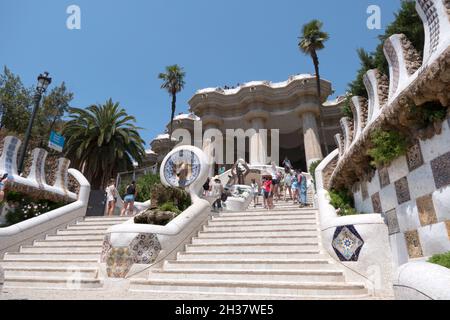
258	143
208	148
311	138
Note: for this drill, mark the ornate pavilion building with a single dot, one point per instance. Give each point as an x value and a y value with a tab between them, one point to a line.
306	125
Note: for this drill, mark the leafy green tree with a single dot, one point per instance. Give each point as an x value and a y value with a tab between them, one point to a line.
15	101
54	107
173	82
312	40
367	61
101	139
408	22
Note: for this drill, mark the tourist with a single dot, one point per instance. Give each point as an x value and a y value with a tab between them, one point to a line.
206	186
3	181
288	184
275	182
111	197
255	192
128	200
302	189
268	192
294	187
287	163
216	192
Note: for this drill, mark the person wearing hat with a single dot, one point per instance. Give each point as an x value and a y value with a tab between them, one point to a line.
216	192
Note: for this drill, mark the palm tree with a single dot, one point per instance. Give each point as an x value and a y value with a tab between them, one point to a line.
311	41
173	82
100	141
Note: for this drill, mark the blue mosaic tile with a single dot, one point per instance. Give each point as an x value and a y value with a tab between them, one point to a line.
347	243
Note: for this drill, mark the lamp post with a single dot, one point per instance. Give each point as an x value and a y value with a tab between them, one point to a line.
43	82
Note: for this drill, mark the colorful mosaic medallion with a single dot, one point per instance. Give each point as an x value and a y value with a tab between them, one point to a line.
347	243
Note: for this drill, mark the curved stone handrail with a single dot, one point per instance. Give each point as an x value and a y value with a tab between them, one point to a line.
369	255
421	280
130	245
26	231
435	17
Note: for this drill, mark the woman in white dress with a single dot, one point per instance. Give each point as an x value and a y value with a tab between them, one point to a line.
111	197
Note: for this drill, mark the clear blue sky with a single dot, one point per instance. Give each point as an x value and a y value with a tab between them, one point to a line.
123	45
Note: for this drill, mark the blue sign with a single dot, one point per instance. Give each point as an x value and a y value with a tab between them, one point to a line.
56	141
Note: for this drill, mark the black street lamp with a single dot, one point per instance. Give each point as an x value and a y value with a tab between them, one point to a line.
43	82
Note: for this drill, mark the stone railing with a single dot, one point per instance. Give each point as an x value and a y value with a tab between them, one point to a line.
35	185
359	242
130	248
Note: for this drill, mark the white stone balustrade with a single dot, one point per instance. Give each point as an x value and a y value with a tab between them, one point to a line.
36	178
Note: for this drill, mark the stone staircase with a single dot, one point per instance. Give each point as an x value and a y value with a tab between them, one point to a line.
66	260
273	253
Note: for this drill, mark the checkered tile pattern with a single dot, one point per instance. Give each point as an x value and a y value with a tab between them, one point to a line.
413	195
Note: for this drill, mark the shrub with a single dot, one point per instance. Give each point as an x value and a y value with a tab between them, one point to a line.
312	171
343	202
145	184
441	259
386	146
428	113
22	207
169	206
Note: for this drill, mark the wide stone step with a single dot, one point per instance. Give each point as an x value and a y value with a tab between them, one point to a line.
250	275
59	250
50	256
42	262
257	240
52	282
257	233
274	288
282	208
257	219
298	222
44	271
244	229
98	223
250	247
259	264
108	219
88	227
75	237
69	243
218	255
66	232
266	214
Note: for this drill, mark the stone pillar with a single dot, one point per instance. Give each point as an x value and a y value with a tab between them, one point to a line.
311	138
208	149
258	143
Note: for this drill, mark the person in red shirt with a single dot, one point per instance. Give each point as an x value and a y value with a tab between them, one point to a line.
268	192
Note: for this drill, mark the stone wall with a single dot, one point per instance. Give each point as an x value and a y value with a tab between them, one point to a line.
413	195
